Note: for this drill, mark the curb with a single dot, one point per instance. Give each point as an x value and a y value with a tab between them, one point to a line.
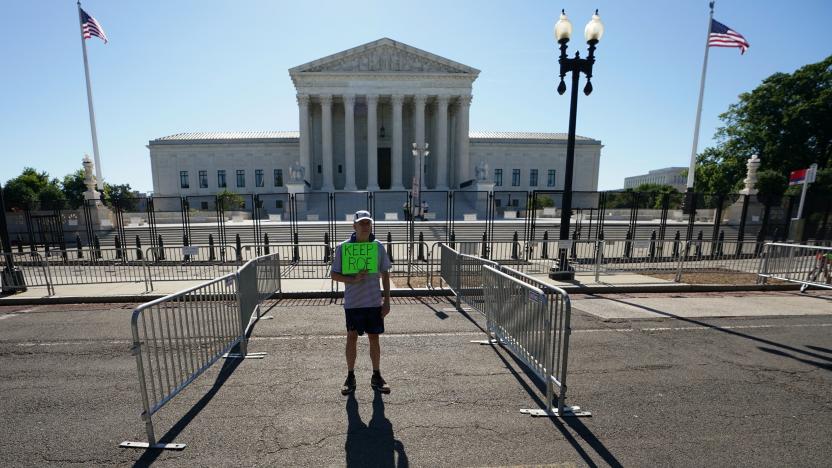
418	292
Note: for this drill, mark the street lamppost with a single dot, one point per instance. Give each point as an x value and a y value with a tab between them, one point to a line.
421	152
592	33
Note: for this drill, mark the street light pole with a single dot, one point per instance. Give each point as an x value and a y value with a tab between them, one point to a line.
563	31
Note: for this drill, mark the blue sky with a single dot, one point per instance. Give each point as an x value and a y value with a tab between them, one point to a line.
208	65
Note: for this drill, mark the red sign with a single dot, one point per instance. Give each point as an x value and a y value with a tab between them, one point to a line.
797	177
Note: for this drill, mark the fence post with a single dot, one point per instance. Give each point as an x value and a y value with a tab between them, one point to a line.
185	244
676	240
326	247
295	249
514	254
545	250
239	247
421	246
266	243
484	253
211	254
453	239
653	245
161	248
97	244
719	243
628	244
117	241
699	245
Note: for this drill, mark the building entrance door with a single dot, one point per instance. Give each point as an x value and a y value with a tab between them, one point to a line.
384	168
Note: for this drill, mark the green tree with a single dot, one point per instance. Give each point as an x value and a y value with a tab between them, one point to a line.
229	200
74	188
542	201
652	195
121	194
771	185
51	197
786	120
22	192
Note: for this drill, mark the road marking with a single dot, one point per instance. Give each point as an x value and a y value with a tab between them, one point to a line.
5	316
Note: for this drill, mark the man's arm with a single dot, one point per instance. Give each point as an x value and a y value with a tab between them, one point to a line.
385	282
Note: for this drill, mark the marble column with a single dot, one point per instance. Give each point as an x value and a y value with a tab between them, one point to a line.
326	142
305	154
396	150
462	155
372	143
349	141
442	143
419	134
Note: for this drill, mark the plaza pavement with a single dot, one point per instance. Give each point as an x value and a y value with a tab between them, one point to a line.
673	386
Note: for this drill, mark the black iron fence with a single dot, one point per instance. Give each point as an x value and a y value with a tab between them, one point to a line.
259	220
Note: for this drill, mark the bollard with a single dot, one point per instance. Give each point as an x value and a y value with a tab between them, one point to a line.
97	244
138	248
20	244
544	253
185	244
676	240
117	241
326	247
390	246
653	244
295	250
514	255
699	245
79	246
266	243
453	240
239	247
421	246
719	243
628	243
484	253
211	255
161	244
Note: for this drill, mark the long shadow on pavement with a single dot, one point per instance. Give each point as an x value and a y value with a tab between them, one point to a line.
574	423
777	352
227	369
373	444
723	330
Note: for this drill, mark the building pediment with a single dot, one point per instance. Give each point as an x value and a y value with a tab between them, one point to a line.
384	56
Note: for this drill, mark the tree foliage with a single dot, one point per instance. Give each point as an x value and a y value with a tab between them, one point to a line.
786	120
771	185
121	195
229	200
22	192
74	188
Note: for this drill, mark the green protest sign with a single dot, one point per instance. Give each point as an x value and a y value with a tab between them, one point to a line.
358	256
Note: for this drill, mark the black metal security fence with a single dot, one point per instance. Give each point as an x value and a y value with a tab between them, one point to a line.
436	216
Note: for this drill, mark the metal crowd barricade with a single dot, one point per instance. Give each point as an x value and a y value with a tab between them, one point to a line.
92	265
178	337
808	265
535	327
463	274
33	267
189	263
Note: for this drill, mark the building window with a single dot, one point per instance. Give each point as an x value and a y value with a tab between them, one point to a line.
241	178
550	180
319	168
203	179
183	179
203	205
221	178
498	177
258	177
515	177
340	169
278	177
533	178
278	204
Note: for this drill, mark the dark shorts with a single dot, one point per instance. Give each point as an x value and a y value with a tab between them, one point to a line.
365	319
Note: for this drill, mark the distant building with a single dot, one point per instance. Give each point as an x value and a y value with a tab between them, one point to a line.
673	176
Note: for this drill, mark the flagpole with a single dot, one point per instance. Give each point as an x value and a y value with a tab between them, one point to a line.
99	182
692	169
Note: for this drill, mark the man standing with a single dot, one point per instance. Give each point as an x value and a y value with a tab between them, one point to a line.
364	306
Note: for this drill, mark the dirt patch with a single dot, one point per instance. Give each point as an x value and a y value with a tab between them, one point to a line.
415	282
720	277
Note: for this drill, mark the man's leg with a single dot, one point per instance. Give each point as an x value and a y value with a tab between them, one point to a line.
375	350
351	351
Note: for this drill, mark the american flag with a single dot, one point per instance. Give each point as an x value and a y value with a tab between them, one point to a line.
723	36
90	27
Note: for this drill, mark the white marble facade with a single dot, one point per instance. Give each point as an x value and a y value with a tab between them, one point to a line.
359	112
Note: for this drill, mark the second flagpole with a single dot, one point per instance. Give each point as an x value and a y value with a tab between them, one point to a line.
692	169
99	181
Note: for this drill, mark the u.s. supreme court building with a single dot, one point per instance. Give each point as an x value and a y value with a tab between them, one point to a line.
360	111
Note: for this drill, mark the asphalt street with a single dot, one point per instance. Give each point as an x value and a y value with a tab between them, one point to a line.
671	387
